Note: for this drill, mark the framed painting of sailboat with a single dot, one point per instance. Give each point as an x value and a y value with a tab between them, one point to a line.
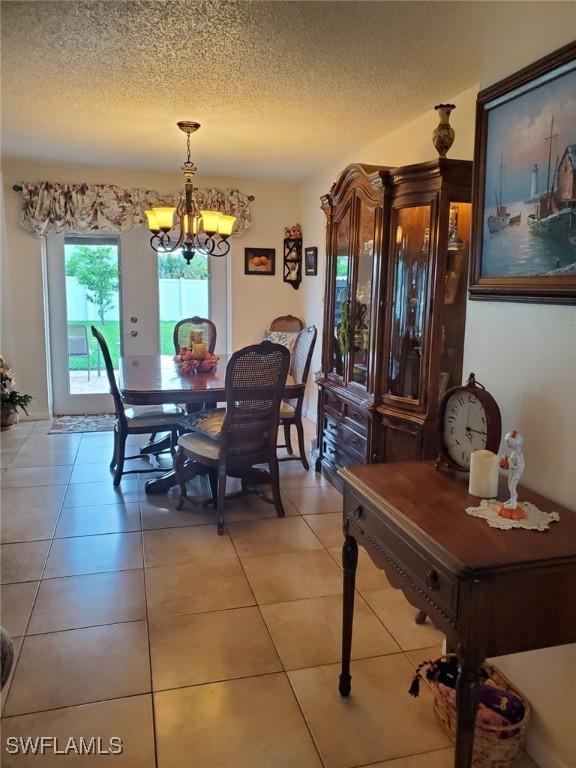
524	197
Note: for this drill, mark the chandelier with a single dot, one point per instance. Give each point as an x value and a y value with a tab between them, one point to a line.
201	232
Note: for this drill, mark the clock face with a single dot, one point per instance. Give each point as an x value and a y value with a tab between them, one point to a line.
464	429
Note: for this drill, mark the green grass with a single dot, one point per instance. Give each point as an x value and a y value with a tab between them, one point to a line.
111	332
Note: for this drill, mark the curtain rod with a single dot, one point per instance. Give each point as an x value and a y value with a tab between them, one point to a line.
17	188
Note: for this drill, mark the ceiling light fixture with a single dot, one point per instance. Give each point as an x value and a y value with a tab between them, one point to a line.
201	232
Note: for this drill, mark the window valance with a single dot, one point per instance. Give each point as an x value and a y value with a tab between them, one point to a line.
51	208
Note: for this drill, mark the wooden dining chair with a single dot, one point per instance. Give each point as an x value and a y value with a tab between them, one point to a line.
286	323
137	420
201	325
230	441
291	410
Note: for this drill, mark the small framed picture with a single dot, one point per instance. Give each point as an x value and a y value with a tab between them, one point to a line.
259	261
311	261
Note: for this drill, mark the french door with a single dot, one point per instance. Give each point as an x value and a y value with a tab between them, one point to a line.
112	282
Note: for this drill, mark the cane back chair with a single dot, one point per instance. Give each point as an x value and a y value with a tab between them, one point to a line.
255	379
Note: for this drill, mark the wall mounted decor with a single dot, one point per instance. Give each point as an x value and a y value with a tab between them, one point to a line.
293	256
311	261
524	203
259	261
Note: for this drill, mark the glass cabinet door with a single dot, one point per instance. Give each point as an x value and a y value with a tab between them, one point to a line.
410	301
453	312
362	305
341	313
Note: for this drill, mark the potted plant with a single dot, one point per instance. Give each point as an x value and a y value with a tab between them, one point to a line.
10	399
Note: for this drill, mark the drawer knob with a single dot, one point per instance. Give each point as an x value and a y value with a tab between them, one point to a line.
357	513
432	580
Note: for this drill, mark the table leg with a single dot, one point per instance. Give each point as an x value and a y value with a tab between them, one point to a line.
168	480
467	694
349	563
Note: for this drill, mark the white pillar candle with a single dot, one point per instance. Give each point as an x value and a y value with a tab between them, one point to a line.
483	474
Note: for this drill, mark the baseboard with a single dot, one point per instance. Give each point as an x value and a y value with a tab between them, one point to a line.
542	752
35	416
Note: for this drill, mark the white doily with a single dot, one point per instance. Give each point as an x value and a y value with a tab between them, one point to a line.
535	519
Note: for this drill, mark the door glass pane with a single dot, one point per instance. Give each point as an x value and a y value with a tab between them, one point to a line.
410	301
183	292
362	306
92	281
341	319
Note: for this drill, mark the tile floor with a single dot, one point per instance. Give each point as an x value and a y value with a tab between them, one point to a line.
133	620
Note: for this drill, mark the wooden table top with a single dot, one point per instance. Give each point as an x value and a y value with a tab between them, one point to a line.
431	504
154	379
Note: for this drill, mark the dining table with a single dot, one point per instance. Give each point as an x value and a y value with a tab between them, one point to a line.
157	380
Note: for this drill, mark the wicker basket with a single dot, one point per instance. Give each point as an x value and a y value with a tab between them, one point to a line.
494	747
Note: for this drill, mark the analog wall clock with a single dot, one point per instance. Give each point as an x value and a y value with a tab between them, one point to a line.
468	420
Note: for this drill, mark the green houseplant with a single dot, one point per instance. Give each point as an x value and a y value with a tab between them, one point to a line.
10	399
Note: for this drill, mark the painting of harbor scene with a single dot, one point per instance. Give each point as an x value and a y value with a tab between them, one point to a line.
525	221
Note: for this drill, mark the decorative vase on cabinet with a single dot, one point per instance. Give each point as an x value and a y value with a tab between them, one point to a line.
397	258
443	135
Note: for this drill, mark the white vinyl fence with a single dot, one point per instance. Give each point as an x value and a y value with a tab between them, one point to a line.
179	298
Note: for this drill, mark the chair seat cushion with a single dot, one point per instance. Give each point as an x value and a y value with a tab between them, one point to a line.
286	411
286	338
207	423
200	445
153	415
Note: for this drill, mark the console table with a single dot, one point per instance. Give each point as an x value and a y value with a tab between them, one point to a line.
492	592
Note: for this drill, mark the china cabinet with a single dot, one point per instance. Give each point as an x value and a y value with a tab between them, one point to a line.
397	244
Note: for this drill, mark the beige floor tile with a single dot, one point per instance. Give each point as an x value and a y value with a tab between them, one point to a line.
23	562
397	615
31	477
6	458
293	475
369	576
28	524
378	721
252	507
17	641
308	633
92	494
96	455
292	575
11	443
442	758
106	518
16	605
207	647
93	473
314	501
174	546
267	537
40	441
159	511
250	723
62	669
99	439
129	719
32	498
175	590
49	458
94	554
328	528
88	601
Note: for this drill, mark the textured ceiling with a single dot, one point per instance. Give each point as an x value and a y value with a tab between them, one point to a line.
282	89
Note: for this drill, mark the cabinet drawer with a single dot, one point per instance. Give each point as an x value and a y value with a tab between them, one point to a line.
333	404
343	437
341	455
356	419
421	571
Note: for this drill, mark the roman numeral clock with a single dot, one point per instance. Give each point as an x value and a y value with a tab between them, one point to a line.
468	420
